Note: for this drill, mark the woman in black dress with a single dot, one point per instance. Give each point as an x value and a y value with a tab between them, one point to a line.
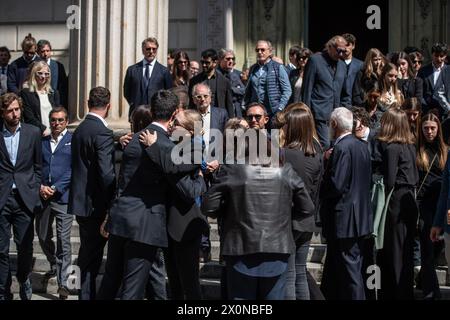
398	161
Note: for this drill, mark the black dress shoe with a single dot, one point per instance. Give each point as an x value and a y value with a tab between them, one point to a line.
63	293
52	272
26	290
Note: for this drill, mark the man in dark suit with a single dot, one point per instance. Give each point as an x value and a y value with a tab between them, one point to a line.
18	69
353	66
20	173
323	81
219	85
146	77
436	81
227	61
137	221
346	211
59	81
56	173
92	186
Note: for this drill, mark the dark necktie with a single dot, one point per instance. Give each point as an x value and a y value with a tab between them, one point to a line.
147	72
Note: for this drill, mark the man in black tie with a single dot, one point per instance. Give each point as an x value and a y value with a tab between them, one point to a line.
146	77
5	56
92	186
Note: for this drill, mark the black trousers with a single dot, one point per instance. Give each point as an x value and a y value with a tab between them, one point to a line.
183	265
342	276
15	214
90	255
396	257
128	264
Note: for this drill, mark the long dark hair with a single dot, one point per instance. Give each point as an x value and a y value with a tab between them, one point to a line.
299	131
180	77
141	118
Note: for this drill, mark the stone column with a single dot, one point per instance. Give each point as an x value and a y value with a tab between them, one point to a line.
108	41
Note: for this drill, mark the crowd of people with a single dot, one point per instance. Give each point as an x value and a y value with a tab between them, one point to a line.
361	157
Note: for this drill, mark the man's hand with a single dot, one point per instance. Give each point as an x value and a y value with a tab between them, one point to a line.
46	192
212	166
147	138
102	228
435	233
125	139
327	154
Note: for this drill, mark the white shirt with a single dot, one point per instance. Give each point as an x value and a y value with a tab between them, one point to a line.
150	67
206	117
46	107
97	116
342	137
159	125
436	73
54	143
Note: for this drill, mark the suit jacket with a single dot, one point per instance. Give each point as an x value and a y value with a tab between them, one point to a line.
139	213
27	172
17	73
322	86
61	82
345	194
347	91
57	167
430	91
237	89
222	96
93	180
219	118
32	106
134	88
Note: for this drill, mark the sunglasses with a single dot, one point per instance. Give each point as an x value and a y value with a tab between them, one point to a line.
183	62
43	74
230	59
256	116
340	50
302	58
151	49
417	62
261	49
206	62
59	120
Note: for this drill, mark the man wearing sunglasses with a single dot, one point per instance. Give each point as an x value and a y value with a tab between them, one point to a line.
54	192
219	85
323	81
436	81
146	77
268	82
256	116
227	61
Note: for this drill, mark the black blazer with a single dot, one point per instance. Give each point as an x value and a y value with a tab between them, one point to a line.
133	88
222	96
93	180
411	88
219	118
27	171
62	86
322	86
430	91
345	193
347	91
139	213
32	107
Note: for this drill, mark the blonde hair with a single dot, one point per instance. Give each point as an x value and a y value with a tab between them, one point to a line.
368	65
31	83
188	118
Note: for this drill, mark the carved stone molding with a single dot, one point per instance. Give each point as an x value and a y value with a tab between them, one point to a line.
268	6
425	8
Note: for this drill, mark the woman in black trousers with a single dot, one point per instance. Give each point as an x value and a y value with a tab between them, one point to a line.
398	160
431	159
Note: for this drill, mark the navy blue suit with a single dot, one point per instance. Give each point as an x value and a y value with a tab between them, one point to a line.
323	81
134	89
347	91
430	91
57	167
346	218
219	118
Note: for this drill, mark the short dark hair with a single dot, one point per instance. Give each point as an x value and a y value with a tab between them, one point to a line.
141	117
99	98
362	115
164	103
58	109
294	50
183	96
5	49
350	38
210	53
439	48
43	43
7	99
151	40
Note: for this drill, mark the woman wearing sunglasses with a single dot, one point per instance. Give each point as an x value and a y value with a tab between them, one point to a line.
38	97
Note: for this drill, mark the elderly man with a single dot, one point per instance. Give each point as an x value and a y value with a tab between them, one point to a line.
268	82
323	81
227	61
5	56
346	210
